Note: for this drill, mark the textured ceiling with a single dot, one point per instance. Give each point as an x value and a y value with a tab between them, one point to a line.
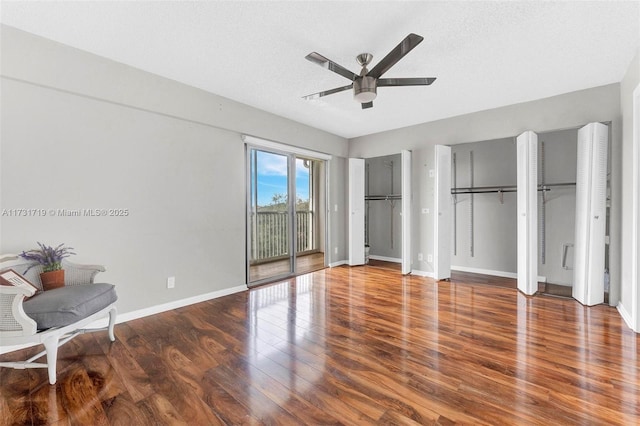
484	54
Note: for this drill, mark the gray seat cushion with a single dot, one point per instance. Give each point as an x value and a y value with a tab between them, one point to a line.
66	305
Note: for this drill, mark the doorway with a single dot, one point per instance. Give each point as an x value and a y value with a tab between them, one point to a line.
557	162
498	224
380	210
286	201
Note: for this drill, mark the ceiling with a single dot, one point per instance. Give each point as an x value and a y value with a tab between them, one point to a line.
484	54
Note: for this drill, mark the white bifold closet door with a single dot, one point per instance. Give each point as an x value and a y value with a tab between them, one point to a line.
442	211
527	208
634	259
591	214
406	211
356	211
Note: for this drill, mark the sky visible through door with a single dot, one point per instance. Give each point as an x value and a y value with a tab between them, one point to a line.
272	179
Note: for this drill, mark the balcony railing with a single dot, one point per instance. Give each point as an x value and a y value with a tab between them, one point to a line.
270	230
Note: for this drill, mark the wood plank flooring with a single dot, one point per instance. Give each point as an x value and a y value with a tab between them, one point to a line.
360	345
304	263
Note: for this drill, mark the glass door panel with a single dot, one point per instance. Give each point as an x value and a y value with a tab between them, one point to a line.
309	215
270	218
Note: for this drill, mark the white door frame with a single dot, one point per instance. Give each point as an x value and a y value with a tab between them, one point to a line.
406	211
356	212
527	208
442	212
591	214
635	216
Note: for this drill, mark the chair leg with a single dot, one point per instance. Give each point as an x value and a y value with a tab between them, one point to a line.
112	323
51	346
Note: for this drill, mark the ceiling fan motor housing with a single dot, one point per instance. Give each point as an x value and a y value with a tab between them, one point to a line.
365	89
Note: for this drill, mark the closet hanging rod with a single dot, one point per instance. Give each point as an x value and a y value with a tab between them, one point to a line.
483	189
383	197
559	184
457	191
501	189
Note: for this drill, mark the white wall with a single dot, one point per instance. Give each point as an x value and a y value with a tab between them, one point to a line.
80	131
559	112
627	86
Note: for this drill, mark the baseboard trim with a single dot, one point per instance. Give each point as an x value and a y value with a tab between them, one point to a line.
338	263
175	304
152	310
385	259
626	316
492	272
422	273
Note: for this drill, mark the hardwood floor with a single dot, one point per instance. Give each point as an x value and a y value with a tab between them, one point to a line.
374	263
361	345
304	263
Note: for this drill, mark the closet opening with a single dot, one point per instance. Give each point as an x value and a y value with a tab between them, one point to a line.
557	163
483	209
383	197
380	211
485	212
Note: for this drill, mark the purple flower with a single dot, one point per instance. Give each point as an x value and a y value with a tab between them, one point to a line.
50	258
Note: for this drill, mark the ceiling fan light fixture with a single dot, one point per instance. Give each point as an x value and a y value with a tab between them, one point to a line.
366	84
364	89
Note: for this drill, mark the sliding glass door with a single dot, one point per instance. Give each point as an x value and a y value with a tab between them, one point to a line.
270	216
283	214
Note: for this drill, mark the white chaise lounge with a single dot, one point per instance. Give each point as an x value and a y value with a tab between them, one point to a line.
53	317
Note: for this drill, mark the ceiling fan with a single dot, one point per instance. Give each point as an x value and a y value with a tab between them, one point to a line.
365	85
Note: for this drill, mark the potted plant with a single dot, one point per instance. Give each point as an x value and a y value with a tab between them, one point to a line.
50	258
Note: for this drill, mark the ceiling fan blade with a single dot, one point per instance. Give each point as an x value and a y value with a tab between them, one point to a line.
405	46
330	65
367	105
405	81
328	92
